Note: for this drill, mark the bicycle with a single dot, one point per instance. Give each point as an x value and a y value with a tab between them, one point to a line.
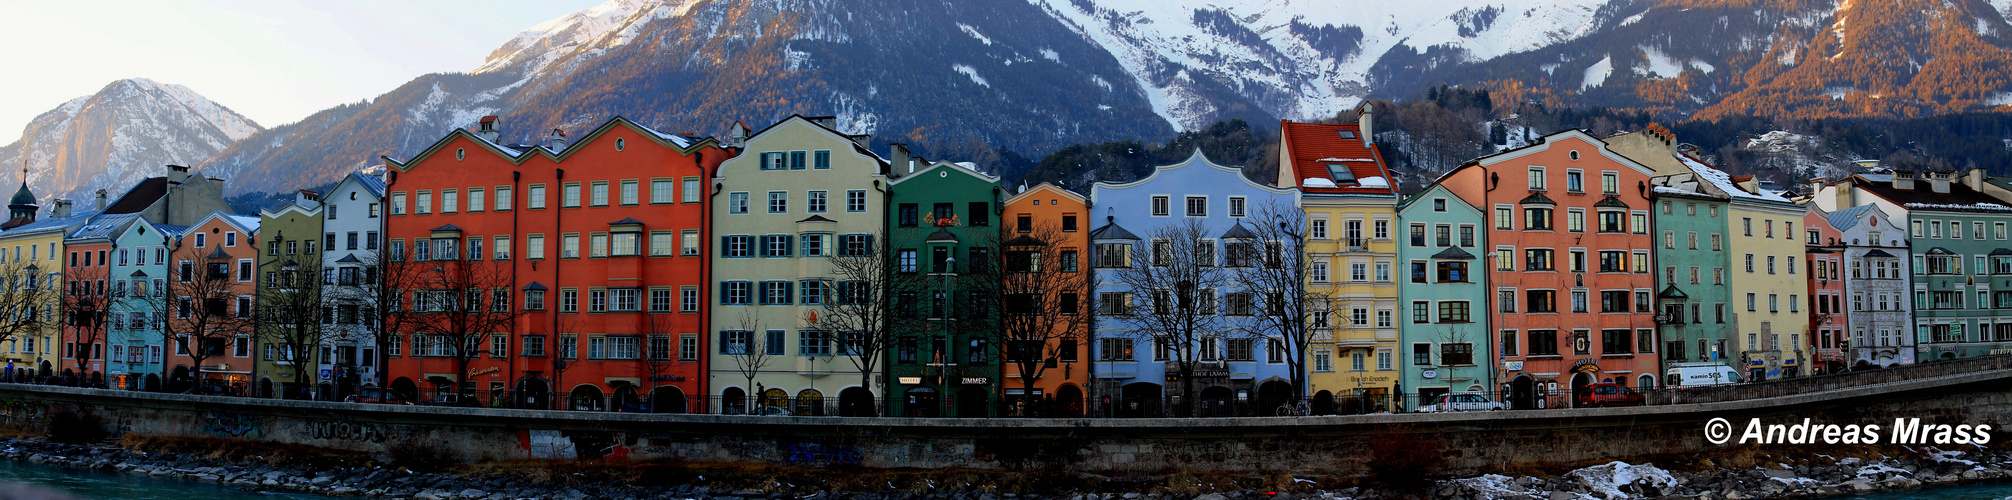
1299	409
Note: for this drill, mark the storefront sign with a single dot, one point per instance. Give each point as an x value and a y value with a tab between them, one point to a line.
482	371
1429	374
975	380
909	380
1514	366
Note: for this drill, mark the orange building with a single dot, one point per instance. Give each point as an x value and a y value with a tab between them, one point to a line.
1570	266
211	289
589	255
1045	244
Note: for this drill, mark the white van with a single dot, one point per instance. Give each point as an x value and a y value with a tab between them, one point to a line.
1701	374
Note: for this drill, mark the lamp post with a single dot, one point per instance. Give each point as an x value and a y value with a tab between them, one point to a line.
949	358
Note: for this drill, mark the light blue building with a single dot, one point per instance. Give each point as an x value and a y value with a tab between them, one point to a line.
1444	333
133	340
1237	367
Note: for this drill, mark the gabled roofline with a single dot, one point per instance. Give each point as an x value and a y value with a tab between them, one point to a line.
68	236
356	178
1402	205
227	218
1191	160
834	135
1050	188
290	207
519	159
1545	145
944	164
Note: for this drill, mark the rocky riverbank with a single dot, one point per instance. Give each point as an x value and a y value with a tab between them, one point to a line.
1820	475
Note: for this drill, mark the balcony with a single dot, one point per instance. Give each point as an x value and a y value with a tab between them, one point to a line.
1354	245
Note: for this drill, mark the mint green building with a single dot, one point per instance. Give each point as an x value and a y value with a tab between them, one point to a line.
1444	334
1692	294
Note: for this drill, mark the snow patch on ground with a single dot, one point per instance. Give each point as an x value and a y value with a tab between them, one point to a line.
1597	74
1998	99
1050	54
970	72
1607	481
968	30
1660	65
1702	65
1633	19
1838	93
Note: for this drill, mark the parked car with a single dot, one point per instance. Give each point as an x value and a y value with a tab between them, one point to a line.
1608	394
1700	374
375	395
1461	401
450	400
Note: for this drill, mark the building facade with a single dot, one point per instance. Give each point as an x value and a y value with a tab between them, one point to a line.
1570	265
802	197
944	236
353	236
1824	265
1045	342
1350	205
1952	233
1879	313
210	316
1445	331
291	322
1198	315
139	305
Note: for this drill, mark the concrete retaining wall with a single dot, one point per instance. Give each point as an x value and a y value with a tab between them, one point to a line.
1801	385
1450	443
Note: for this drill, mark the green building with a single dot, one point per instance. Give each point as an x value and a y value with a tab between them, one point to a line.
289	298
943	235
1445	337
1962	255
1691	291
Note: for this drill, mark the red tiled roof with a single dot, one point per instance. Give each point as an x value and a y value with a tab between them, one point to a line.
1315	146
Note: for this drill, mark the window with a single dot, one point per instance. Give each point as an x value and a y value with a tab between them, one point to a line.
1417	235
450	201
737	202
815	202
1610	222
663	191
1537	218
1509	343
663	244
692	193
1541	301
397	203
1575	220
688	299
598	194
1198	206
778	202
1610	182
689	242
736	293
1617	341
1504	217
737	245
424	205
535	197
909	214
628	193
1456	353
1467	236
1538	259
1639	222
1613	261
1453	311
1237	206
1453	271
1536	178
1161	206
1573	182
855	200
1114	349
979	214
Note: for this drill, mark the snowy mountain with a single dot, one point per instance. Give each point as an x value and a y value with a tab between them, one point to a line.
974	80
118	136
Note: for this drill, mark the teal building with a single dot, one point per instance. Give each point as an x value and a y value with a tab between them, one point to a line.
1692	294
1444	334
943	235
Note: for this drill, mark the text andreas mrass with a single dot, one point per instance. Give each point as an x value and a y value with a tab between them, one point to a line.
1903	431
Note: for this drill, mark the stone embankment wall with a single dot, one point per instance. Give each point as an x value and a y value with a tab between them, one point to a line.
1341	445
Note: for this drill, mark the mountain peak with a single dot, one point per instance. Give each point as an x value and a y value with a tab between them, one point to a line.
119	135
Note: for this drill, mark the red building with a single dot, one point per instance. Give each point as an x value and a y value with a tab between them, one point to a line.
1824	258
580	268
86	296
1570	265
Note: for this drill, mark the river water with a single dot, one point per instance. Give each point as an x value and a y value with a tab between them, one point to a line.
1980	491
95	485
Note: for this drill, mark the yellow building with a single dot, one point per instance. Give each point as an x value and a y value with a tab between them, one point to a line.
1351	208
29	245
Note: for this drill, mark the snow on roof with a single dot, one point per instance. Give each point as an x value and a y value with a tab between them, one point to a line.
1317	182
679	140
1374	182
1725	182
1333	160
1961	206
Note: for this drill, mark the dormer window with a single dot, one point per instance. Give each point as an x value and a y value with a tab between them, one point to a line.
1340	173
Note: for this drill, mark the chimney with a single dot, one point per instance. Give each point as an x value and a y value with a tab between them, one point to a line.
1938	182
1816	186
61	210
306	198
491	128
1974	179
556	141
1903	180
177	174
901	159
100	204
1367	123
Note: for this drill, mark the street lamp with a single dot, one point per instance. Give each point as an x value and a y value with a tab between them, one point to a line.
943	291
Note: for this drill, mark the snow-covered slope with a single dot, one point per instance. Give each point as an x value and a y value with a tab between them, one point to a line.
112	139
1296	58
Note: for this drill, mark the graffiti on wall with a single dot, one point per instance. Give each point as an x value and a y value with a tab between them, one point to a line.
232	425
821	454
22	412
341	430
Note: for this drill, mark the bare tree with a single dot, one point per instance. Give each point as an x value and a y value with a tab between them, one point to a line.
1273	262
652	366
29	300
388	277
1040	288
291	315
200	321
456	306
1178	280
858	309
749	351
86	304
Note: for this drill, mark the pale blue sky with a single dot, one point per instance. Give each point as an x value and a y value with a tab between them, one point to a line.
274	61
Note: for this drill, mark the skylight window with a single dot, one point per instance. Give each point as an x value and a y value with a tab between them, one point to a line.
1340	173
1348	134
